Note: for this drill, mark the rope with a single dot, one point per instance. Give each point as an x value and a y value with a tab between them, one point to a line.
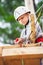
39	9
39	12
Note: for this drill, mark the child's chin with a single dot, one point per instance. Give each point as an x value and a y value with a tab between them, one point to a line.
24	24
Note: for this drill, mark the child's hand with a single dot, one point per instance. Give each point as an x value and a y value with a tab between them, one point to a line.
17	40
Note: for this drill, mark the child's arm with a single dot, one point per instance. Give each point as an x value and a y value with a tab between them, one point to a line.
39	37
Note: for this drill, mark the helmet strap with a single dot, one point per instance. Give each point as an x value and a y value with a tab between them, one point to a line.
27	23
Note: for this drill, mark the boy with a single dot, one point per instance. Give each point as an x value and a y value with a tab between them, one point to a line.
23	16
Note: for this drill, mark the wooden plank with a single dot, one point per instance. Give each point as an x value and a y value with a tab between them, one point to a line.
0	51
1	59
31	61
29	55
18	45
12	62
22	61
24	52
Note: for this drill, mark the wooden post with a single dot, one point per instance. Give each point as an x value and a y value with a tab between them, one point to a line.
29	5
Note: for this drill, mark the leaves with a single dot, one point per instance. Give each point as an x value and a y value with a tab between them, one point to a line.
9	33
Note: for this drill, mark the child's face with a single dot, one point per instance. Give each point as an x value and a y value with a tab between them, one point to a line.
23	19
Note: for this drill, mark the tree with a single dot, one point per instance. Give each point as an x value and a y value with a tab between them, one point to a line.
9	28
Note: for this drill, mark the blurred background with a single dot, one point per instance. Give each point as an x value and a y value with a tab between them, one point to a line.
9	27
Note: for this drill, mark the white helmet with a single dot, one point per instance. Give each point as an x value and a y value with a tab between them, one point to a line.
20	11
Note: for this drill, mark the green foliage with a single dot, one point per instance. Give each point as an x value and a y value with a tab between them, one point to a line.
7	14
39	9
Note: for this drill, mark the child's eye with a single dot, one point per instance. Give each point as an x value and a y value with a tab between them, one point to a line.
22	17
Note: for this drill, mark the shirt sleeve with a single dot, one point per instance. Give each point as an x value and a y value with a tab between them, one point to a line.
22	34
40	39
